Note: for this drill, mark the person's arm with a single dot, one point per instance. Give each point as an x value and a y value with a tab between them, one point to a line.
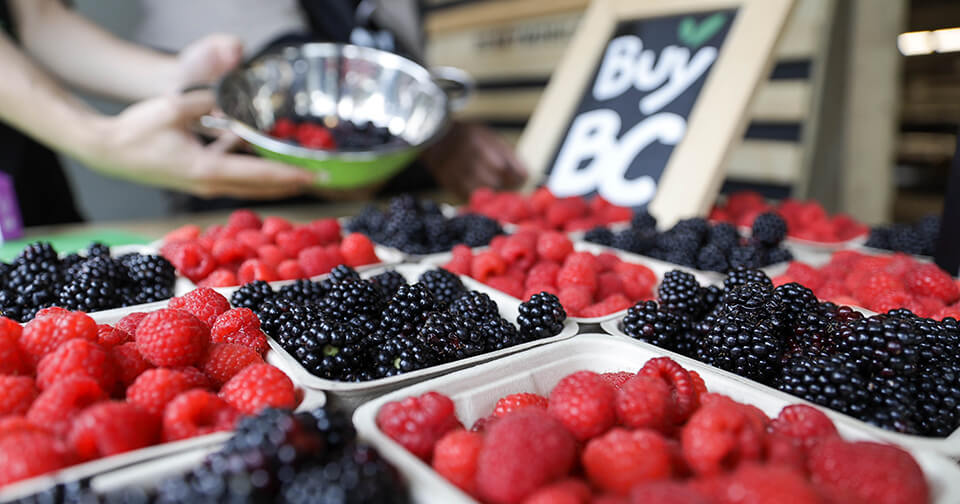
149	142
88	58
470	156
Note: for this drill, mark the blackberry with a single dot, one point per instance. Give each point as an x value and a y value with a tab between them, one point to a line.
645	321
756	301
285	320
893	406
723	236
499	333
796	300
643	220
389	282
679	292
742	276
98	249
928	227
149	269
635	240
710	297
349	298
776	255
335	426
742	345
679	247
88	295
439	234
331	350
410	305
303	291
67	261
882	345
445	286
338	274
450	337
600	235
357	476
769	229
879	238
474	305
145	293
252	295
541	316
938	400
829	381
39	252
939	341
405	354
475	230
906	239
370	221
712	258
103	268
748	255
695	227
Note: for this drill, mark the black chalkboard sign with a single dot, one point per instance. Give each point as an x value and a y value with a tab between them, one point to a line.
635	110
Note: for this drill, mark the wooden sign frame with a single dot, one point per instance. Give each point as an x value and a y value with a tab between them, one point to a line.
692	177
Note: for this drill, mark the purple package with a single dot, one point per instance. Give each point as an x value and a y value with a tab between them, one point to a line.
11	223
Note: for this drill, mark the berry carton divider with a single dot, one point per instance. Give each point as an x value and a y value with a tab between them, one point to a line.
948	446
659	267
475	391
312	398
349	395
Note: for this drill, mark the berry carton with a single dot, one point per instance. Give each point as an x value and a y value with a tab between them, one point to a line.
476	392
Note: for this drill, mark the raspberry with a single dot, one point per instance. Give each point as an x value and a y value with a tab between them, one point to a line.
204	303
803	423
666	492
508	284
333	251
575	298
112	427
805	275
315	261
108	336
190	259
153	389
755	484
77	358
513	402
487	264
129	323
172	338
880	283
784	450
540	200
259	386
645	403
720	435
255	269
698	385
461	257
240	326
638	280
568	491
860	472
608	284
185	233
244	219
226	251
621	458
685	393
26	454
290	269
416	423
584	403
273	226
55	407
612	304
196	377
886	301
358	250
44	334
327	229
455	458
128	362
252	238
195	413
224	360
577	274
929	280
522	452
617	379
564	210
12	359
16	394
520	249
542	273
291	242
219	278
271	254
10	424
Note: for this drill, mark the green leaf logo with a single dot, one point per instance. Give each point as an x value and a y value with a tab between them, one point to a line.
694	34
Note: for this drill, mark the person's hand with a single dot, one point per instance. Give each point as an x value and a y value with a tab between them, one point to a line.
207	59
151	143
472	156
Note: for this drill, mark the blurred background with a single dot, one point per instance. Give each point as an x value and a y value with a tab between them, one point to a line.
860	110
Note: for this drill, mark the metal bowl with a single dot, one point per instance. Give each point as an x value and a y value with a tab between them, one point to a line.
346	82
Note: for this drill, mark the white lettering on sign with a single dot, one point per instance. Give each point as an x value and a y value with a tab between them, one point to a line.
592	137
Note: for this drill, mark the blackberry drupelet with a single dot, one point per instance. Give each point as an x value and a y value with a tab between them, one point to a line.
349	298
600	235
827	380
769	229
745	346
883	345
712	258
445	286
723	236
474	305
252	295
679	292
357	476
450	337
389	282
742	276
303	291
643	220
499	333
541	316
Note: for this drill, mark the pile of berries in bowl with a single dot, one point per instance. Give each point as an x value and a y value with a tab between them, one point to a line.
918	238
699	244
249	248
527	262
351	329
806	220
342	136
72	390
654	436
897	371
543	211
420	226
39	278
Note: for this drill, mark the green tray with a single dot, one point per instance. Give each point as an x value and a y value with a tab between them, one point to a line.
73	242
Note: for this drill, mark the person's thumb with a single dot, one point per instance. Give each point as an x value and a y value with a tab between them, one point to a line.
210	57
186	109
